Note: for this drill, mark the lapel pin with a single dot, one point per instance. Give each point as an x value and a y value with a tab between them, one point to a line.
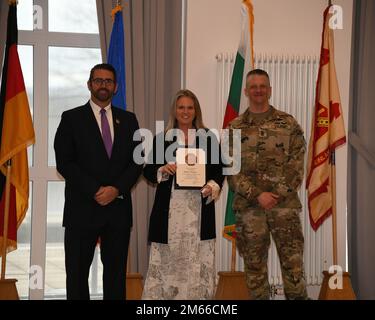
117	121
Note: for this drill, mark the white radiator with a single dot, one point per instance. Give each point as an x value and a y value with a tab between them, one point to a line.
293	80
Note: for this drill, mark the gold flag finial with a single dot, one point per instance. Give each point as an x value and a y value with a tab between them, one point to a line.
13	2
116	9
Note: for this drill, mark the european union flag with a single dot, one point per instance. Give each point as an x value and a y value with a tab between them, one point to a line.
116	57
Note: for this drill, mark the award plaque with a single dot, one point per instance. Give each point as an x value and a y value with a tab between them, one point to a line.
191	168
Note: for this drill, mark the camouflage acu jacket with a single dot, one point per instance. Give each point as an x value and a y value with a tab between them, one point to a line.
272	158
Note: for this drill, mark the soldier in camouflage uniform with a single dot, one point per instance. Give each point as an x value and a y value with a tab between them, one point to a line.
266	199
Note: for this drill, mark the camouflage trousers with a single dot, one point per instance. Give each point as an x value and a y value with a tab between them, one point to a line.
254	227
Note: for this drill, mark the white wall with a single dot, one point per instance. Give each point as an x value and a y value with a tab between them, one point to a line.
281	26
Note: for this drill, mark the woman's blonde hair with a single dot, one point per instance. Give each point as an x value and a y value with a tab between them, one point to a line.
197	122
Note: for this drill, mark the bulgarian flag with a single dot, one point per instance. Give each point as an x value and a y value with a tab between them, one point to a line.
327	132
237	101
16	134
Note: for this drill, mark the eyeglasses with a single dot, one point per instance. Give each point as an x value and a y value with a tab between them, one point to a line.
100	81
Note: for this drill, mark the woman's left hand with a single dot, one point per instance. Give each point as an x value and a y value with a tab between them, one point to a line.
206	191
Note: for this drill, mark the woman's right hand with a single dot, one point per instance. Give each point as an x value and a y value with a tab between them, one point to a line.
169	168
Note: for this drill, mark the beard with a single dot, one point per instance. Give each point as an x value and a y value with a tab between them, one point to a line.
102	94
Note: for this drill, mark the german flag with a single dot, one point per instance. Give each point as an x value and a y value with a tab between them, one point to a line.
16	134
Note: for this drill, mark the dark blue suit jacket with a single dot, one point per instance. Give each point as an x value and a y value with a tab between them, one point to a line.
82	160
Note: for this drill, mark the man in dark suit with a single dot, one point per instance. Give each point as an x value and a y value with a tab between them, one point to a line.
94	153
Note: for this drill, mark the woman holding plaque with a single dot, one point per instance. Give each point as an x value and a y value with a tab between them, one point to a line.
182	222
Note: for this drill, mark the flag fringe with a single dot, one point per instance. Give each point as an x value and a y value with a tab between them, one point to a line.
116	9
11	154
250	10
316	224
11	245
229	232
338	143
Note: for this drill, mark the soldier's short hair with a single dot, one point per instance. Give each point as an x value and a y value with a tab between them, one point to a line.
258	72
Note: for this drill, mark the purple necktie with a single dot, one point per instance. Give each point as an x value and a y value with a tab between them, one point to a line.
106	133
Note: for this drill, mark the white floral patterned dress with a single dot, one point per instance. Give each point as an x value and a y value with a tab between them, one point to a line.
183	269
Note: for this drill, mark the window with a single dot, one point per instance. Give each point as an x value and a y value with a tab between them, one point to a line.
68	74
18	261
58	45
72	16
25	15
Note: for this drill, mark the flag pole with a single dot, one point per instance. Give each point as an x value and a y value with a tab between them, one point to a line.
334	216
336	285
346	291
234	253
6	218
